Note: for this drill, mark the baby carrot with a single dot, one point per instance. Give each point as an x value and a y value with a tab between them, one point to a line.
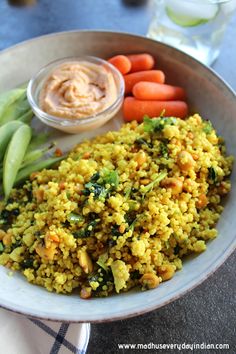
121	62
134	109
154	91
147	75
140	62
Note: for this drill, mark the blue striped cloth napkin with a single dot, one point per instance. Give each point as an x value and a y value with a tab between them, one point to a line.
22	335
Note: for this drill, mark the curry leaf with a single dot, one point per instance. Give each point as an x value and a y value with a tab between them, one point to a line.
109	177
212	174
164	151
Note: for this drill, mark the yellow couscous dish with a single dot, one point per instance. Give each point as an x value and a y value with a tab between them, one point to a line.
122	210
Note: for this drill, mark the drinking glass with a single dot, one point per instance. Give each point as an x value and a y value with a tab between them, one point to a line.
193	26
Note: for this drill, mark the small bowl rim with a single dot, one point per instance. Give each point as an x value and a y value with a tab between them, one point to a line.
62	122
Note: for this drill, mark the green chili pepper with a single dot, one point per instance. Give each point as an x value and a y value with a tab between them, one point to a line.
14	156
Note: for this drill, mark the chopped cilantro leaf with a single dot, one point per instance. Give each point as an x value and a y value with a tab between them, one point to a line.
98	182
164	151
109	177
153	125
142	141
87	231
207	127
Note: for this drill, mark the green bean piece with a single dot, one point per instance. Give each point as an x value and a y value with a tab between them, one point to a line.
24	173
7	99
14	156
6	132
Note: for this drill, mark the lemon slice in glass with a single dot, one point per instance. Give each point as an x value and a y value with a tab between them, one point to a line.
191	13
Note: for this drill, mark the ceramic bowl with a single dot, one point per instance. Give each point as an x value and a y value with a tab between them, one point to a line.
208	94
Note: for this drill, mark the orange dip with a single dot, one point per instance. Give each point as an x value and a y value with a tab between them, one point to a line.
77	90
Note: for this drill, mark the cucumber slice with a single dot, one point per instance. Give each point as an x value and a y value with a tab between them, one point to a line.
188	14
184	21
